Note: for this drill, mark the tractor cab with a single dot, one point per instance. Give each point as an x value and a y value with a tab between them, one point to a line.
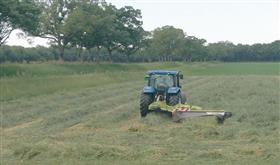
160	78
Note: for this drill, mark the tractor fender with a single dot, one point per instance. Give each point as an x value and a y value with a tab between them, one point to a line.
148	89
173	90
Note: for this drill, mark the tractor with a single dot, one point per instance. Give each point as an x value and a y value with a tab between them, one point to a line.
162	85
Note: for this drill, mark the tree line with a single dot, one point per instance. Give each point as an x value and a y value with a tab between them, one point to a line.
93	31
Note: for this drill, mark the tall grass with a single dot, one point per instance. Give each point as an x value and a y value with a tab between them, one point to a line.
27	80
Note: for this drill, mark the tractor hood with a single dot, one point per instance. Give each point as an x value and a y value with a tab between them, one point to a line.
149	89
173	90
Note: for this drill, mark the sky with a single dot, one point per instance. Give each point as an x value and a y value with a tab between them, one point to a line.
238	21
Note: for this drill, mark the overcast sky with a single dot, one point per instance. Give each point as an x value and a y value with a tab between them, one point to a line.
239	21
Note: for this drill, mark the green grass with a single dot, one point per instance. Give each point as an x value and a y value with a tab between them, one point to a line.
89	114
23	80
232	69
45	69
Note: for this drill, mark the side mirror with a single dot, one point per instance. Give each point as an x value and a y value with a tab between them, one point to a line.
147	77
181	76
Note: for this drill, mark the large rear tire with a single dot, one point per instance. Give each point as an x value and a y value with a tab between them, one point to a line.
173	99
145	101
183	98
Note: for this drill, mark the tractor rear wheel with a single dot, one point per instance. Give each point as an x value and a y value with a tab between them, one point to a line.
183	98
145	101
173	99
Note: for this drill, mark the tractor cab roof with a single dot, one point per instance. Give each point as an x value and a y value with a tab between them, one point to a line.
162	72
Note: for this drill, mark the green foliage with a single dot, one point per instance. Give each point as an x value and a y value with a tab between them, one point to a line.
165	41
130	25
53	22
95	117
227	51
94	25
20	54
82	25
18	14
192	48
92	30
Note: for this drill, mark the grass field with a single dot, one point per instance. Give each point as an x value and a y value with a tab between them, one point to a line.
89	114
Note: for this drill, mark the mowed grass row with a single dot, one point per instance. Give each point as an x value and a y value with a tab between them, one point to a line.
100	124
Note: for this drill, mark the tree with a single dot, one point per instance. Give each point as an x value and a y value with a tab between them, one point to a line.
76	29
273	51
103	31
18	14
165	41
192	48
221	50
53	21
98	24
129	25
110	33
92	25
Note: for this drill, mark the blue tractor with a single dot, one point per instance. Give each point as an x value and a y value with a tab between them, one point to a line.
163	85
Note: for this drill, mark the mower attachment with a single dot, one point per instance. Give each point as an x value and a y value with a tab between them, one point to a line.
183	111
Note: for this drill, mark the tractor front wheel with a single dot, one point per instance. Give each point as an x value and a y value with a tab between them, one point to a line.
145	101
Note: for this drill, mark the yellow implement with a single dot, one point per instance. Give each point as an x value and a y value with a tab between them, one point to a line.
182	111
